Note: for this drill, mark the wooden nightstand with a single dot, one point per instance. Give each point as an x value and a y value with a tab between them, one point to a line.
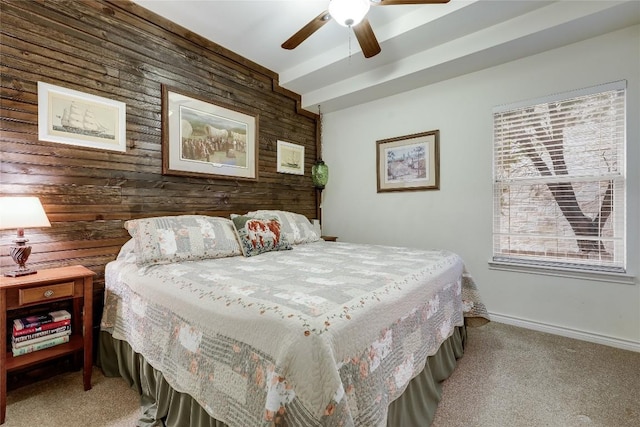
56	284
329	238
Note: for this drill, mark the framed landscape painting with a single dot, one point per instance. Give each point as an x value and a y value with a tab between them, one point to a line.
205	139
71	117
409	163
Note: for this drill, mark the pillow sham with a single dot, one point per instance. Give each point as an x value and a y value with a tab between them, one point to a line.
167	239
296	227
259	235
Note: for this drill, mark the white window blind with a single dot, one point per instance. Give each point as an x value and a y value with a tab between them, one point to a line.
559	180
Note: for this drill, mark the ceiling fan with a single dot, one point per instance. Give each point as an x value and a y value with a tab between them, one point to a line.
350	13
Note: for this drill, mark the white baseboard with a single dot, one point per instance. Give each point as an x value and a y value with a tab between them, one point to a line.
566	332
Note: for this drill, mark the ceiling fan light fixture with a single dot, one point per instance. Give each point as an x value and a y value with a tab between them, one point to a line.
348	12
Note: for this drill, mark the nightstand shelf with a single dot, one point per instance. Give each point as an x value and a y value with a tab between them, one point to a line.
75	344
73	283
329	238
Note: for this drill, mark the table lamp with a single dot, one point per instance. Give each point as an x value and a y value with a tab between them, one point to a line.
21	213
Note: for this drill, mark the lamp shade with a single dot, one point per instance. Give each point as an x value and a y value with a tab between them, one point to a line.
348	12
320	174
22	212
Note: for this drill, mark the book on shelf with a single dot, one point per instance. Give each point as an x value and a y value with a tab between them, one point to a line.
40	336
41	328
40	345
21	344
40	319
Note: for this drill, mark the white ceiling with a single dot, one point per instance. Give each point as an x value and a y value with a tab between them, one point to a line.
421	44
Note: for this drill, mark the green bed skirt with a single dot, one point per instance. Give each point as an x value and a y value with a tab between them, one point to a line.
162	406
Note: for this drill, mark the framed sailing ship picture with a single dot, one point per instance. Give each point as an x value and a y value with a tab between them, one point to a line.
203	139
71	117
290	158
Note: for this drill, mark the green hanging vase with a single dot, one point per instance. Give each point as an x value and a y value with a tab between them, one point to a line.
320	174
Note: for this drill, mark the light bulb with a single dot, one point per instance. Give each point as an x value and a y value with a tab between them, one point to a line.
348	12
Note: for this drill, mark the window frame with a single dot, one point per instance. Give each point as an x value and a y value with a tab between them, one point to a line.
558	266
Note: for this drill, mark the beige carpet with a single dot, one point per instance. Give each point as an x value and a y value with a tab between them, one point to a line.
61	402
509	377
514	377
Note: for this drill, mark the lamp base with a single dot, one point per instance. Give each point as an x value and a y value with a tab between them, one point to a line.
20	254
19	273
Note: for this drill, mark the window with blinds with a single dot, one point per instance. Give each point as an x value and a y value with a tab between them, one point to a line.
559	180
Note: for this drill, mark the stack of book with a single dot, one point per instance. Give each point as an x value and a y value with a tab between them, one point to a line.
37	332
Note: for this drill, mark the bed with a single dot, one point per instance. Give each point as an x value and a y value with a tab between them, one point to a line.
256	321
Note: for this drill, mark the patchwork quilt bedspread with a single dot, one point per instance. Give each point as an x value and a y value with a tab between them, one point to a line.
328	333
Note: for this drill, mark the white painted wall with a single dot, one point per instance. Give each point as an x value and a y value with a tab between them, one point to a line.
459	216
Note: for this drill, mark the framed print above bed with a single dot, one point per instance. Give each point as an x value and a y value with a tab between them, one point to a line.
409	163
290	158
71	117
205	139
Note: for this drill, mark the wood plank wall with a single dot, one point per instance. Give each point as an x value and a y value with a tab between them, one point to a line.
118	50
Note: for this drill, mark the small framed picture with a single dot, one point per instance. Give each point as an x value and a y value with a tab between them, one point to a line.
71	117
290	158
409	163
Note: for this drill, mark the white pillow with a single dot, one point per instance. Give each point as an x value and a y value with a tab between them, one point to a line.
167	239
127	251
296	227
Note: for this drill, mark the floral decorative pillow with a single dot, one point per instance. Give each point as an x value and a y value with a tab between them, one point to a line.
295	226
259	235
167	239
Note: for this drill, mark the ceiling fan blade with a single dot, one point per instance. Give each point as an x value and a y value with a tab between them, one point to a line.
366	38
394	2
314	25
